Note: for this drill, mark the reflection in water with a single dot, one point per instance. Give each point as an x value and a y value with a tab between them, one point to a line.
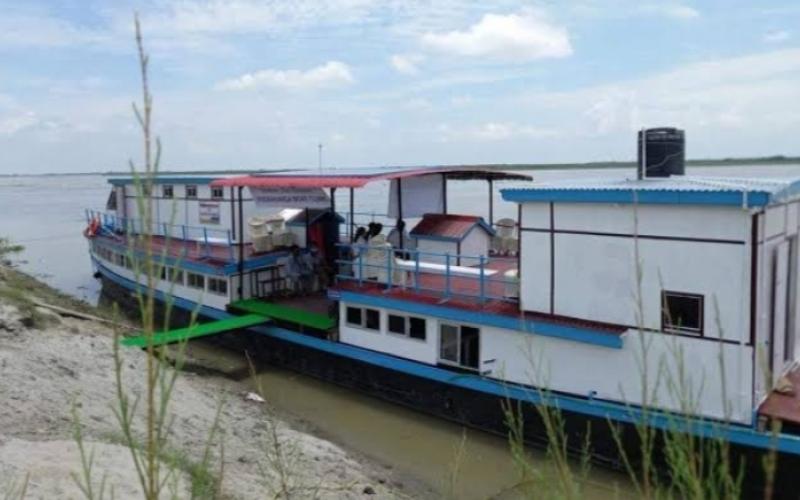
414	445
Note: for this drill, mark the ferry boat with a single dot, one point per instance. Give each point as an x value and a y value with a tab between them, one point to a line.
565	306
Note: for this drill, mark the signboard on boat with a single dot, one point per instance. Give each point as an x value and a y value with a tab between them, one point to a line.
209	213
279	197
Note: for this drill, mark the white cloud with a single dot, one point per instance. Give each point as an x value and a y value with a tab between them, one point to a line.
459	101
493	131
523	36
329	75
42	30
673	10
747	94
406	64
247	16
17	122
777	36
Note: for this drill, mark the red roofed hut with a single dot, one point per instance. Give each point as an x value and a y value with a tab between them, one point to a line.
457	235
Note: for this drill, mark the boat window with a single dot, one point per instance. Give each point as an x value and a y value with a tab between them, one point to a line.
459	345
397	324
195	280
416	328
354	316
364	318
373	319
191	191
448	343
409	326
111	204
170	273
218	286
217	193
167	191
682	313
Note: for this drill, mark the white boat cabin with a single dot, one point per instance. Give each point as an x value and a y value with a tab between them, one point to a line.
706	269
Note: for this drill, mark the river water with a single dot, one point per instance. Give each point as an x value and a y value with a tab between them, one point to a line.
46	215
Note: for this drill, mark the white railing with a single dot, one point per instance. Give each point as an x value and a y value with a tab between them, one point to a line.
203	238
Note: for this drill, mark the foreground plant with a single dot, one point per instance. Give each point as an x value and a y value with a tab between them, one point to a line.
665	463
159	466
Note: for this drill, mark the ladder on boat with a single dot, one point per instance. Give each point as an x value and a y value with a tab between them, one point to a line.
196	331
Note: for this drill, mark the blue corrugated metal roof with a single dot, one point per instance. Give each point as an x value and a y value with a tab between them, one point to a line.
183	179
731	191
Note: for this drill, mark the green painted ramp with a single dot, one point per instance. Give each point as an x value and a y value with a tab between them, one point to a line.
198	330
284	313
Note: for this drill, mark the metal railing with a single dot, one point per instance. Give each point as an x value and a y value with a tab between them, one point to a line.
203	241
362	219
440	274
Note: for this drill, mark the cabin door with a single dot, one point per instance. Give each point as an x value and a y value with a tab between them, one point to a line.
780	303
794	301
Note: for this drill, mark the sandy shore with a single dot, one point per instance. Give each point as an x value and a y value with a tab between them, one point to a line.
50	364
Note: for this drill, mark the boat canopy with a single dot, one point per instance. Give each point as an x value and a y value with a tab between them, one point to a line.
413	191
357	178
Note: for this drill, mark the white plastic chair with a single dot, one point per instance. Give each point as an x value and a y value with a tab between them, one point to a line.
376	258
506	235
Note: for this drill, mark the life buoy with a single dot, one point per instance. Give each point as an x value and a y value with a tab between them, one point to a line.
92	228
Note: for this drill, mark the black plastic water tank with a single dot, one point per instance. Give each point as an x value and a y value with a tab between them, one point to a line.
664	150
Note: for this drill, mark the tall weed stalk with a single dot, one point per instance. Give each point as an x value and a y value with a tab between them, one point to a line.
158	465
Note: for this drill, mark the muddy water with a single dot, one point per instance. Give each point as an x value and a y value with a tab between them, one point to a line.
413	447
414	444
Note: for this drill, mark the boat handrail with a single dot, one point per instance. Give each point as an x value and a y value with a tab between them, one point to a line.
364	218
203	236
447	275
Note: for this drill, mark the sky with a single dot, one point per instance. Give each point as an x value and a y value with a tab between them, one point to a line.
243	84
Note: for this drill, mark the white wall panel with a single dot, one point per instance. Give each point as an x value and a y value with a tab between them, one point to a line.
614	374
535	272
536	215
685	221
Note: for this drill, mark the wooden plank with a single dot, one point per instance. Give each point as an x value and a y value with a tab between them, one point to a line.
71	313
198	330
284	313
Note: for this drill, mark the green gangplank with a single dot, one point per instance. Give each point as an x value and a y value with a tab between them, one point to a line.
198	330
284	313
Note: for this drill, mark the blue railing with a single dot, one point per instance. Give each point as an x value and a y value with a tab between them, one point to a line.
441	274
203	239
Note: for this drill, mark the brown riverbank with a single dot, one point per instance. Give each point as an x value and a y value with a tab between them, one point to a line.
49	362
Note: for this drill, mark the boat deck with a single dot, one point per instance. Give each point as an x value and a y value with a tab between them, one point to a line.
784	405
307	311
213	253
433	279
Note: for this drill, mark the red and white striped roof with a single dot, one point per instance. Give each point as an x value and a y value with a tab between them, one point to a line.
356	178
